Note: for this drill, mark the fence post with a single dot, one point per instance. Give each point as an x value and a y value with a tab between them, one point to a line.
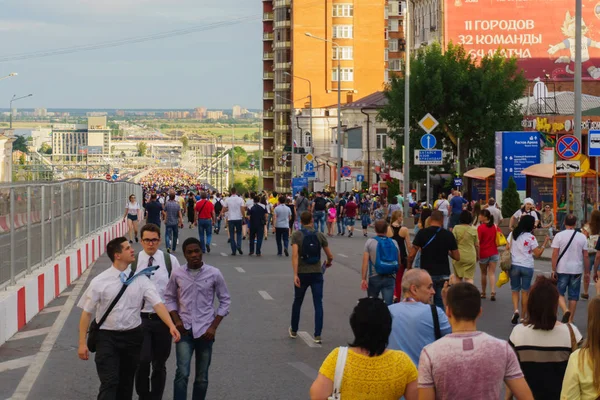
71	219
83	212
29	229
62	218
13	241
52	222
43	227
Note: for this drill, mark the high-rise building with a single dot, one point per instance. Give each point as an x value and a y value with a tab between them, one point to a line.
72	140
236	111
298	68
214	114
40	112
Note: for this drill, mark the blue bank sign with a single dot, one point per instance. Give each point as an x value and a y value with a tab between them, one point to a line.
515	151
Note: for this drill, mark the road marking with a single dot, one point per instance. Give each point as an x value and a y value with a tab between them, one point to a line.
265	295
342	255
308	339
241	270
306	369
16	363
225	254
65	294
48	310
31	333
28	380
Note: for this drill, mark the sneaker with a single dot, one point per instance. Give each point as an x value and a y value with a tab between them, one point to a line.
364	234
585	296
343	233
250	254
168	250
350	234
243	237
228	240
240	251
286	252
208	248
515	318
566	316
317	340
233	254
131	242
136	239
293	334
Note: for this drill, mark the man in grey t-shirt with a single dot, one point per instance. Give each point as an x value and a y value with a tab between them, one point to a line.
282	215
302	204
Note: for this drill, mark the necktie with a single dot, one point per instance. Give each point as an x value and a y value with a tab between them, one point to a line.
123	277
150	261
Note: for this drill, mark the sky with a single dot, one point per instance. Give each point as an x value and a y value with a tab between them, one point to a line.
215	68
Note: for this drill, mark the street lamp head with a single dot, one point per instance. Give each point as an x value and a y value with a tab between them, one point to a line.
287	73
13	74
308	34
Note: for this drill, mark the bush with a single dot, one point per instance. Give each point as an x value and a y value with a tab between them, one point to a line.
511	201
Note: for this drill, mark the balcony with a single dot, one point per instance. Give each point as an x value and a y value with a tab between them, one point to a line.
283	24
283	45
268	174
283	3
268	115
268	16
268	95
283	65
283	107
268	135
282	189
268	75
268	56
283	169
284	128
268	36
283	86
268	154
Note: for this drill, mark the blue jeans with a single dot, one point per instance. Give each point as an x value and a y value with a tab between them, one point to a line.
256	234
171	235
319	218
520	278
438	285
205	228
341	224
282	235
570	282
384	284
218	224
184	351
235	227
315	282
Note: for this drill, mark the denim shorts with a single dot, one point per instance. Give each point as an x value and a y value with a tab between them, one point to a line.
571	282
350	221
495	258
520	278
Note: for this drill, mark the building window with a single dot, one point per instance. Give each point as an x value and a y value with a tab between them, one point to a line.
394	8
342	31
395	64
307	137
386	55
393	25
347	74
343	10
381	138
393	45
343	53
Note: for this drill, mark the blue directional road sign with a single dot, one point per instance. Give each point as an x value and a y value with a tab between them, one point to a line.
115	177
428	141
298	184
360	178
309	167
310	174
594	143
428	157
458	182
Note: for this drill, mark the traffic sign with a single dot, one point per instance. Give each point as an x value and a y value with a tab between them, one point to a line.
428	141
458	182
311	175
568	147
108	177
309	167
360	178
567	166
115	177
309	157
428	157
346	172
428	123
298	184
594	143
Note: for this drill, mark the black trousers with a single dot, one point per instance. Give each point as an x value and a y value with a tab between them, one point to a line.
117	357
156	350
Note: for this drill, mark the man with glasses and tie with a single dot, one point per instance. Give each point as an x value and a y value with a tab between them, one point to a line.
156	347
119	336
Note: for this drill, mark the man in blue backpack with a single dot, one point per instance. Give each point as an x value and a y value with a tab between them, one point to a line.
380	264
308	271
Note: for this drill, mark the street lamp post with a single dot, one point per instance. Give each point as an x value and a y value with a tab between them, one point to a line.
15	98
311	113
339	110
9	76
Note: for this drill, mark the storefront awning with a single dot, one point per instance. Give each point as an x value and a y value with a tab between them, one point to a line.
480	173
547	171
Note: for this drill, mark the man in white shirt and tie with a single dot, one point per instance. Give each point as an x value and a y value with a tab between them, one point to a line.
119	338
156	347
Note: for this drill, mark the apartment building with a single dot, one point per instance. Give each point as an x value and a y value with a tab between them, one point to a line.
426	22
300	73
72	140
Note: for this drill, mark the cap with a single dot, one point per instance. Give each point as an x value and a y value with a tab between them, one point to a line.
529	200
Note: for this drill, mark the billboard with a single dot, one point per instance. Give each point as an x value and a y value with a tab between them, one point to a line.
515	151
540	33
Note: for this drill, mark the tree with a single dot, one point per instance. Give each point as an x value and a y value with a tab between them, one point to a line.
470	98
142	147
256	136
45	149
252	183
240	157
511	201
245	137
185	142
393	189
22	159
20	144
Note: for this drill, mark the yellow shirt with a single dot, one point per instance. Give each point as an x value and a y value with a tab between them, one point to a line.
578	384
381	377
273	200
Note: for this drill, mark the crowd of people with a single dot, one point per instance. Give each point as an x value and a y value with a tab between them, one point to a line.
415	335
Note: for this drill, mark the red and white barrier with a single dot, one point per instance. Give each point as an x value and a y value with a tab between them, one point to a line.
20	303
20	220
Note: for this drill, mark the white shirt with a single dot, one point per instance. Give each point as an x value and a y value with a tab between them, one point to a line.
132	208
234	206
572	261
497	214
249	203
161	275
126	314
518	214
522	248
443	206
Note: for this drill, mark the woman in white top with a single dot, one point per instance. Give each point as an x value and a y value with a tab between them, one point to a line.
592	231
133	215
523	247
444	206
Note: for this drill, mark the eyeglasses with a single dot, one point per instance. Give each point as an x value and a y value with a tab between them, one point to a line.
153	241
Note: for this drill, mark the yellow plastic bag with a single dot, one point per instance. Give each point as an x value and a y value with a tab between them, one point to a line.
502	279
500	239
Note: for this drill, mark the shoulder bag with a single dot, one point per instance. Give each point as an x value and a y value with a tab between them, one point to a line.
574	344
436	322
506	258
431	240
563	253
339	373
95	326
500	238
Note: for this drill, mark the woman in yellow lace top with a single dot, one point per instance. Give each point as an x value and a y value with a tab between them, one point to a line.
371	371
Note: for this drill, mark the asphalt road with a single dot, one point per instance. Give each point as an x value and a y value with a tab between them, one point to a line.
253	357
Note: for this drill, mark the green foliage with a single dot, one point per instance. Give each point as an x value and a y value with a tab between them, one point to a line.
22	159
240	157
252	183
20	144
471	100
45	149
240	187
185	142
142	148
511	201
393	189
364	185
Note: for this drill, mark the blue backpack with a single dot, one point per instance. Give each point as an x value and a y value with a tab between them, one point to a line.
386	261
311	247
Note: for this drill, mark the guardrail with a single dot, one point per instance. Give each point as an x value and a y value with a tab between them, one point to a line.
38	222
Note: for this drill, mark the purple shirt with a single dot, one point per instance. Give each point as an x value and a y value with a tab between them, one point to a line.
192	296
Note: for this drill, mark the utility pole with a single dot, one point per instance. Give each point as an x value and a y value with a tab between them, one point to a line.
406	111
577	206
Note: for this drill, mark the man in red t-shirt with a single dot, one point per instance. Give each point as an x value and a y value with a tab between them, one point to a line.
350	211
205	217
